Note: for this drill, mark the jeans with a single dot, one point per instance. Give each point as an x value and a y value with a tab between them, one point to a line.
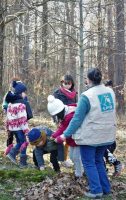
76	159
20	139
38	160
92	159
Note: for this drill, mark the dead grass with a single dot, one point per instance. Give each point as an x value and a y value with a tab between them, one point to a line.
14	181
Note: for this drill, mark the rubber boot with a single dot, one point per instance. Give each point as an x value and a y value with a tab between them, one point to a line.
23	160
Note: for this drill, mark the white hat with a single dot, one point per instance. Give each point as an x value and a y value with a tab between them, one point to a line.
54	106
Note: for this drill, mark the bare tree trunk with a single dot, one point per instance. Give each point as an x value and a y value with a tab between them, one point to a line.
72	44
100	37
1	44
63	52
110	44
45	31
20	41
120	55
36	41
81	69
26	49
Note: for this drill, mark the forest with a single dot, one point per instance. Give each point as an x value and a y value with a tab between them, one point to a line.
40	41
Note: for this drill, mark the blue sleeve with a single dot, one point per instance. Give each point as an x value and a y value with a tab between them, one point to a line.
82	109
39	156
28	110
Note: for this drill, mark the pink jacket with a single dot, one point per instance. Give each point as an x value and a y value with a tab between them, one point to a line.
62	127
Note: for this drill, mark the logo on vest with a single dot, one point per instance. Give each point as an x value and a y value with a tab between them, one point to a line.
106	102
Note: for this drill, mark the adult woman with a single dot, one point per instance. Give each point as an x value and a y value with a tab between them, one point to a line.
93	126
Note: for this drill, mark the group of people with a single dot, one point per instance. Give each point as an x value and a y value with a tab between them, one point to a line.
87	128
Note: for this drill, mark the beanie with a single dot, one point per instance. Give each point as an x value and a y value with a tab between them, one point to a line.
19	87
34	136
54	105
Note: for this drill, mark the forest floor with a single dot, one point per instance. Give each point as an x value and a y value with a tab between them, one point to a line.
31	184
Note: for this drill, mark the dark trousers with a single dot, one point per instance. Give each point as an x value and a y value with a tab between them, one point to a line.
53	159
111	148
10	137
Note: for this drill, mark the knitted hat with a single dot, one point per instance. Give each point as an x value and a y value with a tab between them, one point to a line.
34	136
54	106
19	87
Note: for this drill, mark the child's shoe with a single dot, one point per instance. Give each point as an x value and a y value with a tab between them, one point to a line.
23	161
42	168
11	158
12	155
67	163
118	168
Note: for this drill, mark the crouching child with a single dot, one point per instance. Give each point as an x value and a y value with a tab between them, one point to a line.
40	138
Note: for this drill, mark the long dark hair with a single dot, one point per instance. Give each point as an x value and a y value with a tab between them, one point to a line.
59	116
69	78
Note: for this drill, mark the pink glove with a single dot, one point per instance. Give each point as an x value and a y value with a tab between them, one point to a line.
26	131
53	135
60	139
24	146
8	149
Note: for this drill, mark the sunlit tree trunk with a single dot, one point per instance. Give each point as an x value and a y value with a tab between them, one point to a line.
1	43
120	55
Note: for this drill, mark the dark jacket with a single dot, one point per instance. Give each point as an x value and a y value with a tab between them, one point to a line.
63	97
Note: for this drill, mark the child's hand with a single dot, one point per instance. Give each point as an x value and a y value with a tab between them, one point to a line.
51	138
60	139
24	146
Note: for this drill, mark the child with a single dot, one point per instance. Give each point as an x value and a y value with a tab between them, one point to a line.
109	157
63	114
40	138
67	94
18	113
5	106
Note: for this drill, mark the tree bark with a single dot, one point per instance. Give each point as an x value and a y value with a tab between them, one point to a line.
81	68
110	44
120	55
1	44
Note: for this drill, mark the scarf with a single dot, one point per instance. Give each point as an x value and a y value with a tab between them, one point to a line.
68	93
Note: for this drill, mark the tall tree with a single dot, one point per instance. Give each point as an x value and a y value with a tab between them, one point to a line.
110	43
1	42
120	54
81	68
100	36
